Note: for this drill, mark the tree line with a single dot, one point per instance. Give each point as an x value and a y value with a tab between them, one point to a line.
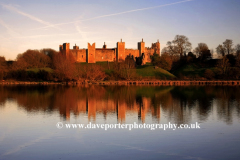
178	53
51	65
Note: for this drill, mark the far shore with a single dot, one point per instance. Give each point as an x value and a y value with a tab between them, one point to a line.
153	82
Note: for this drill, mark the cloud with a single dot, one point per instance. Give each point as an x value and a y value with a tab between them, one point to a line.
13	9
115	14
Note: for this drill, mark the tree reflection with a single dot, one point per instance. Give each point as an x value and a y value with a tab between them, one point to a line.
178	104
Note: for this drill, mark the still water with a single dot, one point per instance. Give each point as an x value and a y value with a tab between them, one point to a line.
29	114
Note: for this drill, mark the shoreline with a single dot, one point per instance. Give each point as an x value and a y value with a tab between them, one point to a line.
136	83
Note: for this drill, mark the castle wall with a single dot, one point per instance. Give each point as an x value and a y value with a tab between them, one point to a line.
148	53
134	52
105	55
93	55
79	54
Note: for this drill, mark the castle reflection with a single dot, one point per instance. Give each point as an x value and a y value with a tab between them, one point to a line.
178	104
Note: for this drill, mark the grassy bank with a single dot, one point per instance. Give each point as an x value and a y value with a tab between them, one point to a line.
191	71
151	71
147	71
50	70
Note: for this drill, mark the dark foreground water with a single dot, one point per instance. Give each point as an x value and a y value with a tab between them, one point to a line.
28	118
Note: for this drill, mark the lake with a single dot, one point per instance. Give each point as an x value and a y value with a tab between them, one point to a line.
34	120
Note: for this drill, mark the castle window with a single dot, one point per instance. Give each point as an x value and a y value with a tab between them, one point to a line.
102	57
82	56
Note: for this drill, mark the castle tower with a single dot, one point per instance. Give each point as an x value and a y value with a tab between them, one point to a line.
104	46
121	112
60	48
66	46
75	47
65	49
156	47
91	53
120	51
92	108
141	48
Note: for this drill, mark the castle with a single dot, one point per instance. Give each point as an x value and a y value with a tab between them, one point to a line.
120	53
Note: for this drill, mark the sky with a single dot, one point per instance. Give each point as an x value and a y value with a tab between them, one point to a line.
37	24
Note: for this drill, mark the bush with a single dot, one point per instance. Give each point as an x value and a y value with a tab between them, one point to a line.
165	61
44	75
65	68
124	70
234	73
1	75
209	74
92	72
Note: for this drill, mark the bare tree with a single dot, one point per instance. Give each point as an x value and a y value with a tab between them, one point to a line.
226	48
220	50
3	63
64	68
3	67
20	64
34	58
223	65
50	53
237	49
237	61
174	57
228	44
200	49
165	61
92	72
178	46
124	70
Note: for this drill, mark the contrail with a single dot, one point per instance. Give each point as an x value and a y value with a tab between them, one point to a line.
5	25
10	31
30	143
115	14
11	8
48	35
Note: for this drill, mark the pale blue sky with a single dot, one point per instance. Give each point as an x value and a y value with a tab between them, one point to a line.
28	24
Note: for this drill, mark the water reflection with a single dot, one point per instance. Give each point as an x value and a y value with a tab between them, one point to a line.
178	104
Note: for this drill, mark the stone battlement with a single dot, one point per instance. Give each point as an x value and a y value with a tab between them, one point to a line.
120	53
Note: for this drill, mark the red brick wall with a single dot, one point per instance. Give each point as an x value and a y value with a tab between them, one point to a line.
79	55
92	55
134	52
148	53
104	55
